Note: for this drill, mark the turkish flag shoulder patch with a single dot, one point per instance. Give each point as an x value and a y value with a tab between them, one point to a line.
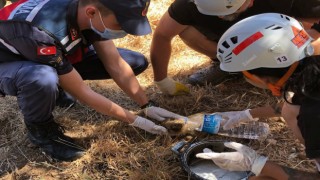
46	50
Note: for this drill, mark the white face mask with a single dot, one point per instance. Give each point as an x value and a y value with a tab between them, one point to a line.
108	33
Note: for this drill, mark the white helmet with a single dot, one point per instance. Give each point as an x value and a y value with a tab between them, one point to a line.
267	40
218	7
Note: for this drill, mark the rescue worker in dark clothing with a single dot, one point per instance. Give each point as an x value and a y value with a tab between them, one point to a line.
200	23
47	44
273	51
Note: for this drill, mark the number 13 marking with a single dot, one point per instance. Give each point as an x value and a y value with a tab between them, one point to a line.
281	59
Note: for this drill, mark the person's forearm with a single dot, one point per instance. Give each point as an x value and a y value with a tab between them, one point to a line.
315	34
267	111
160	55
73	84
278	172
160	51
316	46
316	42
106	106
127	81
120	71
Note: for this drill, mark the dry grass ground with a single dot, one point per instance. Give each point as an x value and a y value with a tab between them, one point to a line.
118	151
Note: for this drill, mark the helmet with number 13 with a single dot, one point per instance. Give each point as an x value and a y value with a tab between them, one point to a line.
267	40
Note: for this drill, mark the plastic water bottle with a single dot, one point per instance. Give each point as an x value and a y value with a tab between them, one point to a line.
210	123
250	130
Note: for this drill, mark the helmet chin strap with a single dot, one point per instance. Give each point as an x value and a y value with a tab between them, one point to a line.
276	88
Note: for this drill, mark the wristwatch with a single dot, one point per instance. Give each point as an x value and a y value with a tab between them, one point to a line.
309	50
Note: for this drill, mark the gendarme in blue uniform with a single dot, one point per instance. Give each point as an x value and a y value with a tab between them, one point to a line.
39	40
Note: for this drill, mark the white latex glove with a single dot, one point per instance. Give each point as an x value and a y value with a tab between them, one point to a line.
233	118
244	159
160	114
172	87
149	126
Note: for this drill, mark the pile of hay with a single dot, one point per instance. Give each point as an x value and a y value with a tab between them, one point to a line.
119	151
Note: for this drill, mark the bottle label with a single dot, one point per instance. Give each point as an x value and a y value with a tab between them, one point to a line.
211	123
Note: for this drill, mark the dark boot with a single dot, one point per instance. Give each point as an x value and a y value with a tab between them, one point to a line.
50	138
211	75
65	100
